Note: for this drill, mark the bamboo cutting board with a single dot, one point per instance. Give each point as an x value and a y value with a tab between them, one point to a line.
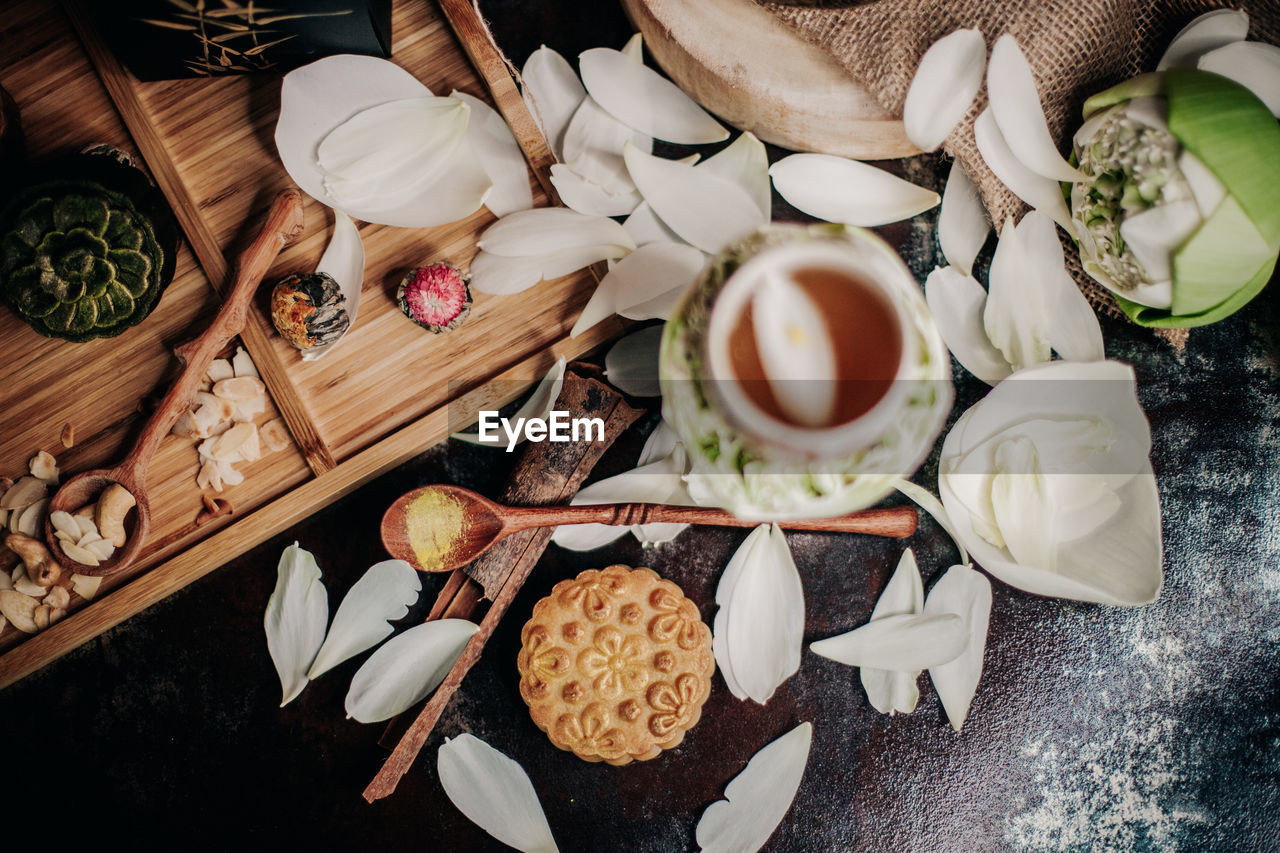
388	392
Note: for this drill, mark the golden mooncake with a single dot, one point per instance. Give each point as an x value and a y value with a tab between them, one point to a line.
615	665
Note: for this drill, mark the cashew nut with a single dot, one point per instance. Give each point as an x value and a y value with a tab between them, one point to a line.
40	565
19	609
115	503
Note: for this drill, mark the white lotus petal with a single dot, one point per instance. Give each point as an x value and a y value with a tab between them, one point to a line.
632	363
383	594
491	140
752	548
494	792
295	619
846	191
758	798
555	91
1120	561
904	643
343	259
1153	235
1042	193
1016	318
705	209
888	691
1205	186
404	670
1253	64
962	222
502	276
944	85
745	162
588	197
796	350
957	303
645	100
765	619
539	404
1015	102
455	194
930	504
634	48
645	227
651	483
1020	501
410	140
1205	33
644	285
547	230
967	594
593	147
1073	328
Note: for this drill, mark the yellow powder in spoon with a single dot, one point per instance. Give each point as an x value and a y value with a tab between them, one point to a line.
435	522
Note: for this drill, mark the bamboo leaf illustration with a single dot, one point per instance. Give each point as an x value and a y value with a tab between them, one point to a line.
169	25
260	48
279	18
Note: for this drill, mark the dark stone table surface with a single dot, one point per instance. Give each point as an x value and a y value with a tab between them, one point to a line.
1094	728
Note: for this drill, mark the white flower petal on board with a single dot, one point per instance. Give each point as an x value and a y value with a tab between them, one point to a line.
644	285
758	798
539	404
967	594
587	197
593	147
500	156
405	669
905	643
547	230
382	595
745	162
1253	64
502	276
494	792
1016	318
343	260
1074	331
1015	103
962	222
553	90
765	619
643	99
1120	562
1207	32
631	364
1044	194
888	691
945	83
957	302
797	353
704	208
837	189
645	227
297	613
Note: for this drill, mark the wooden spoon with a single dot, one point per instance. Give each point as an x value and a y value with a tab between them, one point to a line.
283	224
480	523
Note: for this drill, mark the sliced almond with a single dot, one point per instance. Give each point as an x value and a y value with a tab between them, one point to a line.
83	556
64	522
222	408
220	369
26	585
228	448
6	582
4	517
205	449
185	426
243	364
41	616
85	511
68	435
274	435
25	492
58	597
251	450
209	477
85	586
240	388
45	467
247	410
88	538
100	548
84	520
230	476
57	614
63	536
31	521
220	427
19	609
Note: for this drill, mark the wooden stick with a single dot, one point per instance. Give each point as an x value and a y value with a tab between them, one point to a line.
505	568
256	337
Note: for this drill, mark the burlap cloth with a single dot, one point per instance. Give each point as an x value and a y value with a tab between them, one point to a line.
1076	48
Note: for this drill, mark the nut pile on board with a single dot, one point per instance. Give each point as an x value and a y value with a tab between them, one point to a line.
38	591
96	530
222	414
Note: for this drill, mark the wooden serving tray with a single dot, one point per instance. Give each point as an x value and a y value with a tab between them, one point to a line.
384	395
